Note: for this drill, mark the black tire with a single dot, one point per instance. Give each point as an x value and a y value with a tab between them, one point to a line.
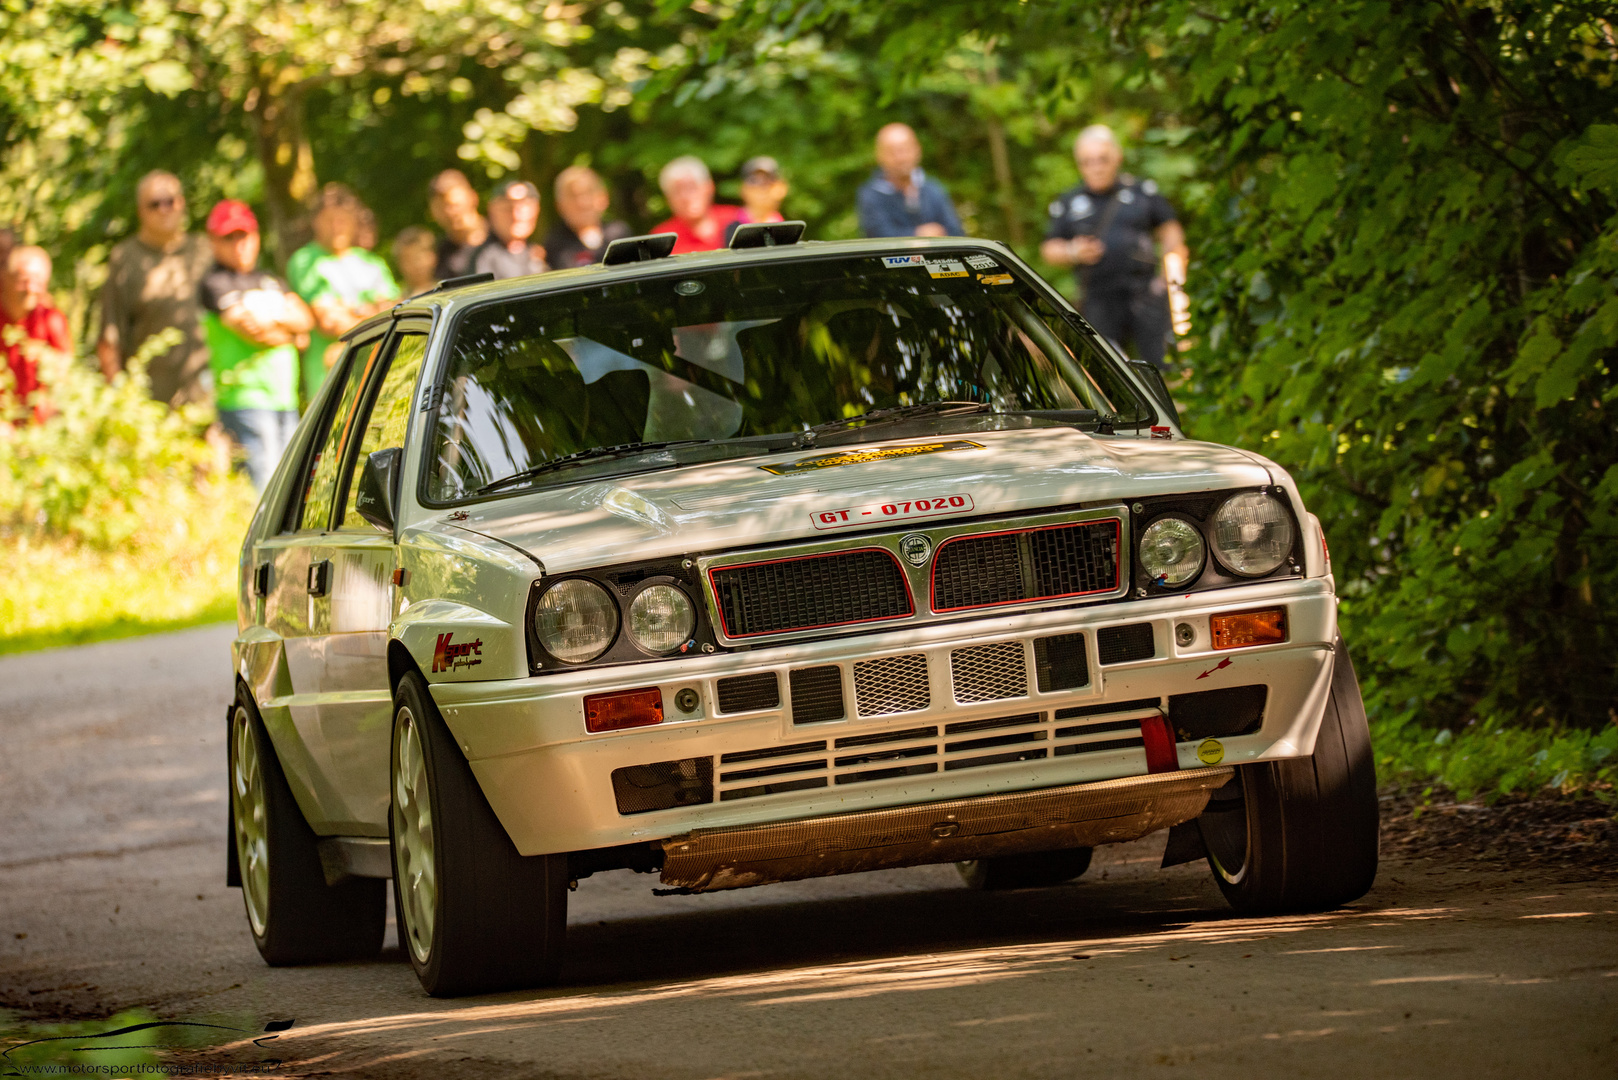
1033	870
294	916
496	919
1301	834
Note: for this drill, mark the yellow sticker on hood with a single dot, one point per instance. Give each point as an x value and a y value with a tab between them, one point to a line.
860	457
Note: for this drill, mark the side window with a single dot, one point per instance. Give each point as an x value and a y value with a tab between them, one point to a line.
321	471
388	417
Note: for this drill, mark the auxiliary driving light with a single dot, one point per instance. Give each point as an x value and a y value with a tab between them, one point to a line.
623	709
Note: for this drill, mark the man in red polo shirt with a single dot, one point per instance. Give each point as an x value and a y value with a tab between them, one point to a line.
697	222
32	332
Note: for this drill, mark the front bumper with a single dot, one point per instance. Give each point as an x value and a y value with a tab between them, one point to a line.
549	780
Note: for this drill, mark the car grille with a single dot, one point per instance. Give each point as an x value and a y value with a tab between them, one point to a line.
932	748
1033	564
810	592
990	672
892	684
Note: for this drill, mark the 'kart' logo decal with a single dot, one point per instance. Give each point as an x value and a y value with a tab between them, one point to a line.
860	457
448	656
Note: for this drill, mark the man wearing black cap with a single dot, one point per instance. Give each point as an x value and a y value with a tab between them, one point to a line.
763	191
513	214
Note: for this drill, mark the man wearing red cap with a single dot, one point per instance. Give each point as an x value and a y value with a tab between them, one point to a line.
255	325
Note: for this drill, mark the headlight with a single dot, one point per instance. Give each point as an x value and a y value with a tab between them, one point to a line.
1252	534
1171	551
661	619
576	620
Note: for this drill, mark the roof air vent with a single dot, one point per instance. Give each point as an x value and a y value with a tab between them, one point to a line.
632	249
766	234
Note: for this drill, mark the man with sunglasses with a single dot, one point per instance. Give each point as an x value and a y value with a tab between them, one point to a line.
1126	248
152	280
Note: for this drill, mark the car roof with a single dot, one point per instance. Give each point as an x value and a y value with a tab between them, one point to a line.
428	304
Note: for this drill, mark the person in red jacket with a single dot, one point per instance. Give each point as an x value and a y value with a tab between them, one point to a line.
698	222
32	331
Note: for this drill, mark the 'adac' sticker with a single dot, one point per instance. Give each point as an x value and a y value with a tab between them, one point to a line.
894	262
981	262
946	268
1211	752
995	279
860	457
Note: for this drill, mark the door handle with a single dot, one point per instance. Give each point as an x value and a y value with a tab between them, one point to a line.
320	578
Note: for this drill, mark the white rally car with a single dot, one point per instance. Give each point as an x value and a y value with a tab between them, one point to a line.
789	560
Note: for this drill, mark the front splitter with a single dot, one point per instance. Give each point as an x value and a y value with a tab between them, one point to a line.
1050	819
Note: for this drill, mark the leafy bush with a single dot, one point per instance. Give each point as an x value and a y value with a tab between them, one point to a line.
1490	759
114	516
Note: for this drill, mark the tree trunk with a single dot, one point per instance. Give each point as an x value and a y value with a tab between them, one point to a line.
289	170
1001	158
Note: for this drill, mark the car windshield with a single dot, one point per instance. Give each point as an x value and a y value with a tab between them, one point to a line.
729	355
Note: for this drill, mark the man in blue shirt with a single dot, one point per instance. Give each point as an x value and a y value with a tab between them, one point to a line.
901	200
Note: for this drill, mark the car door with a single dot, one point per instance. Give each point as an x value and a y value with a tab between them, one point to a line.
352	616
295	609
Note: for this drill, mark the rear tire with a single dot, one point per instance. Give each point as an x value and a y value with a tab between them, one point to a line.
1301	834
1032	870
295	917
474	916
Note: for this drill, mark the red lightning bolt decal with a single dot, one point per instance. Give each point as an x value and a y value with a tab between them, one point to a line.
1222	665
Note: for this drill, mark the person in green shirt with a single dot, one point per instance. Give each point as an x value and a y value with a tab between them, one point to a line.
253	324
342	282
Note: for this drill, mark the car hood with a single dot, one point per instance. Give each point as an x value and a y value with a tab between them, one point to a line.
701	509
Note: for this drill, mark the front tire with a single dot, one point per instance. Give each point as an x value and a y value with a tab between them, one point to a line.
1301	834
1032	870
295	917
474	915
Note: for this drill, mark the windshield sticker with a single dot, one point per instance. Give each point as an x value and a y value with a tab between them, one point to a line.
945	268
860	457
995	279
894	262
897	510
981	262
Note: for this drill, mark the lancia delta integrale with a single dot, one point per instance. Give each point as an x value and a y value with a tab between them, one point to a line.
789	560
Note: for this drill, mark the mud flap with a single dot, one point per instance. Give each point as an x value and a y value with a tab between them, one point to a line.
233	871
1185	844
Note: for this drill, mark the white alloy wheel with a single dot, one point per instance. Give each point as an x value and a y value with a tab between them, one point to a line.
248	817
413	839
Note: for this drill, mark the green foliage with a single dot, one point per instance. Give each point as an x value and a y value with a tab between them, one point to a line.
1492	758
114	517
1409	301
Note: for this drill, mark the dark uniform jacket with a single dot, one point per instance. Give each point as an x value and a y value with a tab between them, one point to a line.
1125	218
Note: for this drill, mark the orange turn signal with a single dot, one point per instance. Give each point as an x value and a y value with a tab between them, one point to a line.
623	709
1249	628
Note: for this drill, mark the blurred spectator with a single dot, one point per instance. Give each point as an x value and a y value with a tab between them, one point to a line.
415	253
763	191
32	331
253	322
697	223
365	235
454	205
899	199
1108	229
342	282
513	216
151	285
581	235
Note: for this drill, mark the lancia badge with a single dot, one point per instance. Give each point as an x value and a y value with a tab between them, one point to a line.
916	549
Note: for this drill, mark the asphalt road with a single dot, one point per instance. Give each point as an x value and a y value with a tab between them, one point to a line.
112	799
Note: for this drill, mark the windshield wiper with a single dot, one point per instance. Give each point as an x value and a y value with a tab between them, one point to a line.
579	456
806	437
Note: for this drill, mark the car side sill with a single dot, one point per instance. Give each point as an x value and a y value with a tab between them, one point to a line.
354	856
